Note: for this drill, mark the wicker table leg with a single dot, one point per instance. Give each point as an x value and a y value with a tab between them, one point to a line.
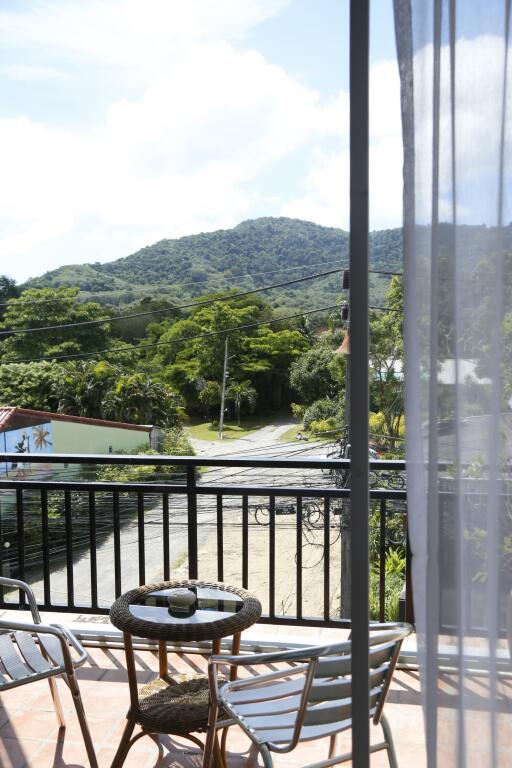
163	665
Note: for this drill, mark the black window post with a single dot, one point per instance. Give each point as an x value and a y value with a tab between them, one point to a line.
359	397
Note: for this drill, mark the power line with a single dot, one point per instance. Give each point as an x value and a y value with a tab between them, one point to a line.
219	276
205	302
386	309
228	278
37	301
209	334
149	286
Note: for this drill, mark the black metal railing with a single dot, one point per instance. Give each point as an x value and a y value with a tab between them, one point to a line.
283	530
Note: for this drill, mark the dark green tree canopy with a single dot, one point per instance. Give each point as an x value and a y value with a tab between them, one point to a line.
312	376
37	308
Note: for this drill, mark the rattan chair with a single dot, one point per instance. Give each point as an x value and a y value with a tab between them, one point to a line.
310	700
24	661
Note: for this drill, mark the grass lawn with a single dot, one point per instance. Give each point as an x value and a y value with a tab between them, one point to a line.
204	430
291	434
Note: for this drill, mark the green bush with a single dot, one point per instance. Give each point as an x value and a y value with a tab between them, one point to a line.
176	443
322	425
395	579
173	443
320	409
298	410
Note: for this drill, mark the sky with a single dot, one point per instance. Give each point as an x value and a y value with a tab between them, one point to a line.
123	122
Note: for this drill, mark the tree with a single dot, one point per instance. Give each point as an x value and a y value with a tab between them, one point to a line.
38	308
8	290
241	393
311	375
386	360
261	352
133	329
82	387
28	385
138	399
210	397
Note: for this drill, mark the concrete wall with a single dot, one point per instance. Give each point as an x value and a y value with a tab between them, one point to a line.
70	437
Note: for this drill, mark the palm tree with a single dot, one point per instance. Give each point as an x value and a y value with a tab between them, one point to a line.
241	392
40	436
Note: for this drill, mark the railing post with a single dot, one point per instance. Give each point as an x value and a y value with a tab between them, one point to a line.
382	561
165	534
92	549
20	525
346	561
192	521
45	541
68	519
409	604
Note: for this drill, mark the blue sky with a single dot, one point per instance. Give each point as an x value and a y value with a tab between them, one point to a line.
126	121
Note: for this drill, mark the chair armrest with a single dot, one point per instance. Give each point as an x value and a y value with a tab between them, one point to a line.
388	630
17	584
64	636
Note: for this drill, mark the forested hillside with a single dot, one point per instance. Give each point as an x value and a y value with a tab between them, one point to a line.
253	254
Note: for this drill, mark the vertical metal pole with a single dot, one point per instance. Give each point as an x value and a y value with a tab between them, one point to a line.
192	521
345	514
165	534
348	385
223	394
359	396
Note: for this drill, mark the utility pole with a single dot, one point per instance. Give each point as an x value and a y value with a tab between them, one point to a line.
223	393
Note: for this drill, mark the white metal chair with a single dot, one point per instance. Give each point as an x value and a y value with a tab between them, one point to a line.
509	624
23	661
310	700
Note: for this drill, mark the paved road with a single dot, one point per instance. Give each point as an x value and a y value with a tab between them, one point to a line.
263	442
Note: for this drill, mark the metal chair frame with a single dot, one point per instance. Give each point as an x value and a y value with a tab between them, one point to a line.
301	705
50	659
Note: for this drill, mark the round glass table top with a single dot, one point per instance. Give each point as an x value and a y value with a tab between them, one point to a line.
218	610
211	604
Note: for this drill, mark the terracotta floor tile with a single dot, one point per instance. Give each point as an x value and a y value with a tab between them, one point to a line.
20	753
60	754
104	688
30	724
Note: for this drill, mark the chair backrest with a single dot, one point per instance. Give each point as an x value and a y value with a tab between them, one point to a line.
329	698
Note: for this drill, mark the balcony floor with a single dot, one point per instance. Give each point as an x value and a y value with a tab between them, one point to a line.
29	736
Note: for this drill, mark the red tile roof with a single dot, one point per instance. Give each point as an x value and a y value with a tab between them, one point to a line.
7	414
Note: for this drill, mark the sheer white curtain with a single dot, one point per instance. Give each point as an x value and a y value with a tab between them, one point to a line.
455	64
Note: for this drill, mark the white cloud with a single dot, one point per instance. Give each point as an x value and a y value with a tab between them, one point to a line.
135	38
186	150
327	199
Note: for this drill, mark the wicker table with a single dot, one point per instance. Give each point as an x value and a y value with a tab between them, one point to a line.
176	704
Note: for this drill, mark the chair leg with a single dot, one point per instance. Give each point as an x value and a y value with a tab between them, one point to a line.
332	745
218	757
388	738
56	701
79	707
211	737
223	744
124	745
267	757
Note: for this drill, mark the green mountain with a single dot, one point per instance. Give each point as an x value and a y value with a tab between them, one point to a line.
255	253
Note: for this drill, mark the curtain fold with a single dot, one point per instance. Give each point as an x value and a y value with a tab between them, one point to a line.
454	63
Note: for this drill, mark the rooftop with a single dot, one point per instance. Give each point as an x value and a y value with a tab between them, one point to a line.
13	417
